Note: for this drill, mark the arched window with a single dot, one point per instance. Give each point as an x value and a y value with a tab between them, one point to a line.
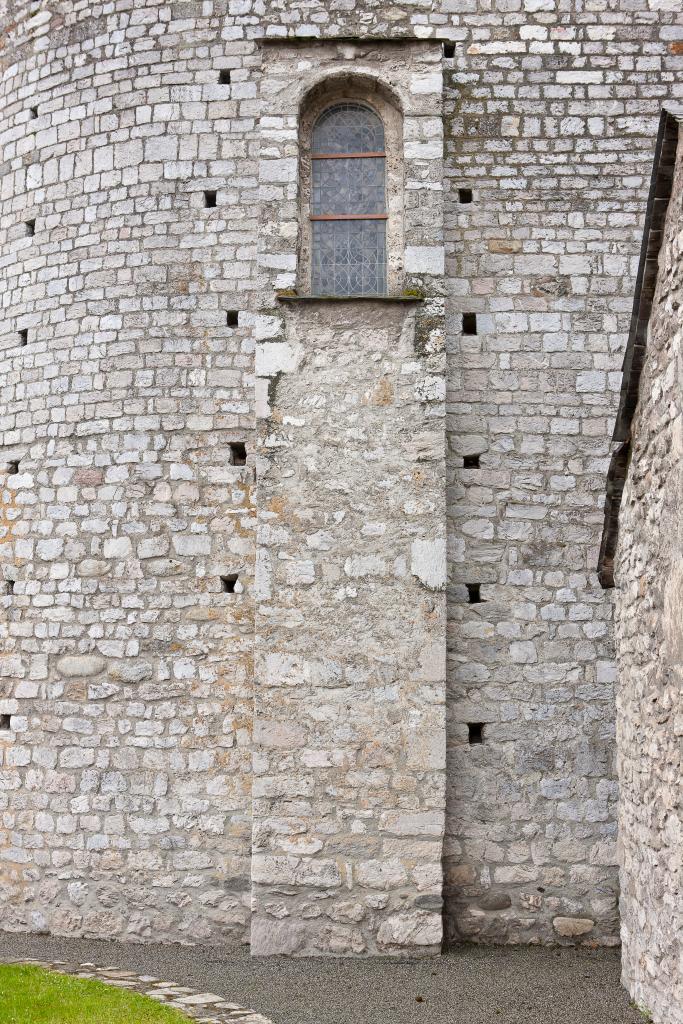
348	208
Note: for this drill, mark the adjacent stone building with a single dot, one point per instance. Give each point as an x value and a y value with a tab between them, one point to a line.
302	636
641	555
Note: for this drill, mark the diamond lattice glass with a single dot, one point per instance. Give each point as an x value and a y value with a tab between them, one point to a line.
348	186
349	257
348	128
348	250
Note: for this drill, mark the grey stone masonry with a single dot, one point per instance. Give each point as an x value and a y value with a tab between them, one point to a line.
349	778
125	794
649	612
551	115
221	506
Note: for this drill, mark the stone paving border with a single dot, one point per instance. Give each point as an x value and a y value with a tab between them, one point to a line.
195	1005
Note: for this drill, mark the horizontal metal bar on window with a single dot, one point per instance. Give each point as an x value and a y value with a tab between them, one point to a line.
344	156
349	216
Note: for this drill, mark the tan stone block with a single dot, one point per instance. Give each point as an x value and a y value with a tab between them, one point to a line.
571	927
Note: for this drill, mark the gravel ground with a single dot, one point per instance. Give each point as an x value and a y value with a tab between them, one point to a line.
471	985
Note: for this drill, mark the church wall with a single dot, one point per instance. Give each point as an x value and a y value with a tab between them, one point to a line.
649	610
350	629
127	672
125	799
349	779
545	255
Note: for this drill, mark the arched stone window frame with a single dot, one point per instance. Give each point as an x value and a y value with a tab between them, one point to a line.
374	94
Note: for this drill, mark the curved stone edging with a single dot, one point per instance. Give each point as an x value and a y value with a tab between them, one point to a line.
204	1007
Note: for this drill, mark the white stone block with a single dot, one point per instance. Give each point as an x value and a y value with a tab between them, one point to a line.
276	357
428	562
117	547
425	84
192	544
425	259
278	170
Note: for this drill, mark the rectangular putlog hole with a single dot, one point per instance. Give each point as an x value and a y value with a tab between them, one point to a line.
473	593
475	732
232	318
464	195
30	226
224	76
229	582
9	584
33	111
5	721
13	467
23	336
238	453
469	323
449	50
210	197
470	462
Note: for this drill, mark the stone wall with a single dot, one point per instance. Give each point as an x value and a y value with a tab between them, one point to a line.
349	782
649	611
126	792
350	637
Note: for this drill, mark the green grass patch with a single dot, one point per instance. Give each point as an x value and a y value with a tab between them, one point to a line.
33	995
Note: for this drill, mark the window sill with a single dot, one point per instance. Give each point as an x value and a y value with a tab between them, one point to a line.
349	298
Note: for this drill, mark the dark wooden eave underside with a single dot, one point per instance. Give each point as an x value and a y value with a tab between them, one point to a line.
634	357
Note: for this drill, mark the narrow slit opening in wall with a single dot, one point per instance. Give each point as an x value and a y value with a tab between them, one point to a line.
13	467
471	462
30	226
475	732
210	197
449	50
474	593
469	323
238	453
9	586
224	76
232	318
464	195
33	111
5	721
23	336
228	583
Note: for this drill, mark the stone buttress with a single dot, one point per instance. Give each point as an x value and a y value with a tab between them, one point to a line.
349	763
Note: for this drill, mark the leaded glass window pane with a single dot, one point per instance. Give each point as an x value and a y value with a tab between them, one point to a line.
348	186
348	128
349	257
348	250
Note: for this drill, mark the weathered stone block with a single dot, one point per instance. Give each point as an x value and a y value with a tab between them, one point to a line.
407	930
571	927
80	665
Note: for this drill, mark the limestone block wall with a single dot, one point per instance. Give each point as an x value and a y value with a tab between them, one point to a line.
125	792
649	609
126	670
551	120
